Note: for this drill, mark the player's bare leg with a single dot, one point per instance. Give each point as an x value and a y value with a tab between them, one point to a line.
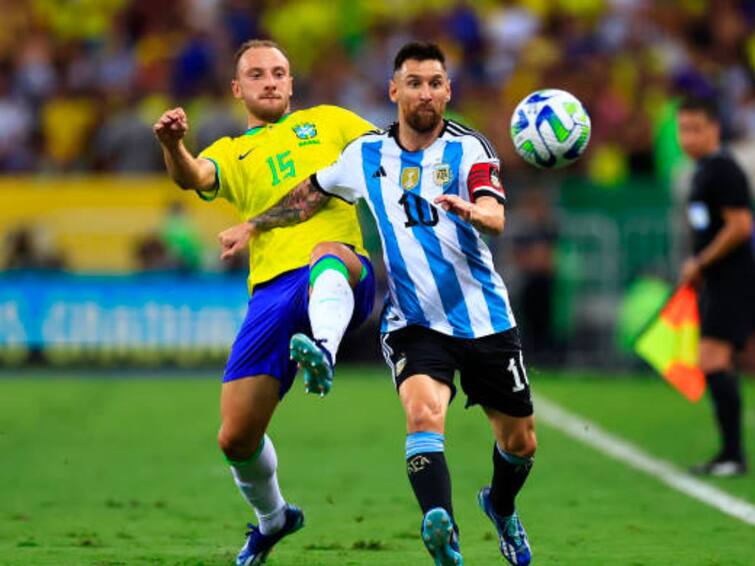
246	407
335	270
425	401
513	453
716	360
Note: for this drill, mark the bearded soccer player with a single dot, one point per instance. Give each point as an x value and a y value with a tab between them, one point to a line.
314	278
433	187
723	269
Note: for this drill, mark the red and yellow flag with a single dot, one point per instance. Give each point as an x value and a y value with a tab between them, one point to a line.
670	344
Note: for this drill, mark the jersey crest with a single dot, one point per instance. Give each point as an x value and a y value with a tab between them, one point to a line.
409	178
307	132
442	174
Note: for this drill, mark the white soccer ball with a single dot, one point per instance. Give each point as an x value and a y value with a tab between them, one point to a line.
550	128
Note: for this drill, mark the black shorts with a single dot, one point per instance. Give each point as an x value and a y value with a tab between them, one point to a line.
491	368
727	311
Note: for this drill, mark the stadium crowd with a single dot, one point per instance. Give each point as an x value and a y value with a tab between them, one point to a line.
81	83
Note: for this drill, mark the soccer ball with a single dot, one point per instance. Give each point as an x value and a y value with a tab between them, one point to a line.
550	128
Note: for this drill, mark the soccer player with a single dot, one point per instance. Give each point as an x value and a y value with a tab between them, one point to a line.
314	273
719	213
433	187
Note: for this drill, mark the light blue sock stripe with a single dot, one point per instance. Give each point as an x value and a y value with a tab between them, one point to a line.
423	442
511	458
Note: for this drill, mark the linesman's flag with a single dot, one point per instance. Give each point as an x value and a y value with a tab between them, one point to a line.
670	344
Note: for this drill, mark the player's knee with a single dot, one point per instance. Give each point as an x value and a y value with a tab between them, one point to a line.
328	248
237	446
523	445
425	416
334	255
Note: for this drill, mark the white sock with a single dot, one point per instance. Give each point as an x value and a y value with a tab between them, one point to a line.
331	304
258	483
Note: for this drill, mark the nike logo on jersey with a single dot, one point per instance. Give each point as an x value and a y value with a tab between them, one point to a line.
243	155
379	173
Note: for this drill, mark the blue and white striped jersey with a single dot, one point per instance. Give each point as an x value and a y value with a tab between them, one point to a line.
440	272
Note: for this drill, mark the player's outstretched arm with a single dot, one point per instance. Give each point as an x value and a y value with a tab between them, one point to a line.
297	206
186	171
486	214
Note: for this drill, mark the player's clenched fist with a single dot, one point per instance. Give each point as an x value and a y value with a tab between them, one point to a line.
172	126
235	239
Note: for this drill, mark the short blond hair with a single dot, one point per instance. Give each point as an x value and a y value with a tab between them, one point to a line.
254	44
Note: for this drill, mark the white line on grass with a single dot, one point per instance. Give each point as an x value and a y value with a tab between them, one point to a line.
589	433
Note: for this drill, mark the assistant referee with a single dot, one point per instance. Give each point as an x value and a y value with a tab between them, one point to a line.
722	268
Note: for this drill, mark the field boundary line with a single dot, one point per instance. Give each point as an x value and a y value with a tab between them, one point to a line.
587	432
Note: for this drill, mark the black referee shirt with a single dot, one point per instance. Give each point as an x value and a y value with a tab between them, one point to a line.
719	183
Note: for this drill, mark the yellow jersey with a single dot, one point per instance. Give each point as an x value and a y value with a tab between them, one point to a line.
253	171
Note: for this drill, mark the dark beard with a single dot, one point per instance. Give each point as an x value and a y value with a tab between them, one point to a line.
423	122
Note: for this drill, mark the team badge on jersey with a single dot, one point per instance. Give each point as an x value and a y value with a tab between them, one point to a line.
409	178
442	174
699	217
307	132
495	178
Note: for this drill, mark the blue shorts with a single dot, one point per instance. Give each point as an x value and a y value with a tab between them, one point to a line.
278	310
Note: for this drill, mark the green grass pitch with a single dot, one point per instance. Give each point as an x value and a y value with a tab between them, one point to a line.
105	471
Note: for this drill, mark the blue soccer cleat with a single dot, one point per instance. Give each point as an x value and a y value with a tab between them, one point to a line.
440	538
315	361
258	546
511	534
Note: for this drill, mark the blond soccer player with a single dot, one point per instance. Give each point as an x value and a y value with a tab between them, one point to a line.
307	283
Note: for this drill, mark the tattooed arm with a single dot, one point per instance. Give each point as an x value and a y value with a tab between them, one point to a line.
297	206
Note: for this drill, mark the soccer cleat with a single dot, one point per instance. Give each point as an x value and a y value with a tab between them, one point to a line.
511	535
315	361
258	546
440	538
721	468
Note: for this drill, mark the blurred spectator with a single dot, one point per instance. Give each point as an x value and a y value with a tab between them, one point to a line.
151	254
194	66
35	77
465	28
124	142
216	117
181	239
176	245
74	80
240	21
67	123
116	63
27	249
534	238
16	122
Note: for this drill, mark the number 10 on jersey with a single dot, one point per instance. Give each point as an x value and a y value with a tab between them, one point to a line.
418	211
